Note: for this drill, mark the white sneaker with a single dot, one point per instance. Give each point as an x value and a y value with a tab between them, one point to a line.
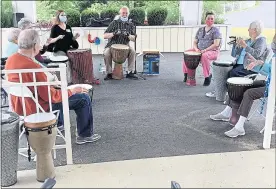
211	94
219	117
233	133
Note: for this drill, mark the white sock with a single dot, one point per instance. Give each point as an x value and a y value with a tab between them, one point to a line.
227	112
240	124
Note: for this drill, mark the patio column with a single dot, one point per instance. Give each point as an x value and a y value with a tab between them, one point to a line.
191	12
26	7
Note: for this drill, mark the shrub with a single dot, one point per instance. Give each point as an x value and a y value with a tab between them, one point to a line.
157	16
73	18
7	14
86	14
138	14
109	13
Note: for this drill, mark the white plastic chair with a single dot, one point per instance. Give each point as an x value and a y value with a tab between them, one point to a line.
20	91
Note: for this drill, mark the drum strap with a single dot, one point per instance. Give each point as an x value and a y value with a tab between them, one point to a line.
29	149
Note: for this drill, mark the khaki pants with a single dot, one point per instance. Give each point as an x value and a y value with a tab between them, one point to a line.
108	59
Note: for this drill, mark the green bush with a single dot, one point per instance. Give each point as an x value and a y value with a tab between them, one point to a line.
109	13
216	7
157	16
86	14
138	14
6	14
73	18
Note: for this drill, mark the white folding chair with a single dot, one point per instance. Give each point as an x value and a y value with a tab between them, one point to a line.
20	91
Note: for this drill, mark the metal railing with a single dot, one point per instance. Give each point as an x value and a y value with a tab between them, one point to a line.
35	84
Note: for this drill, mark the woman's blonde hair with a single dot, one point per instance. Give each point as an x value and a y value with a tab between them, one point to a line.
57	20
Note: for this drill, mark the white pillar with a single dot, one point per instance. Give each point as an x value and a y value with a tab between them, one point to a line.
270	108
26	7
191	12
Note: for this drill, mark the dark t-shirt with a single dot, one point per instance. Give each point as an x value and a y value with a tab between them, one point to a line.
119	39
64	44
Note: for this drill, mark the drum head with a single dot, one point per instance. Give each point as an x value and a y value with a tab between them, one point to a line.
240	81
78	50
54	65
58	58
39	120
86	86
119	46
223	63
192	53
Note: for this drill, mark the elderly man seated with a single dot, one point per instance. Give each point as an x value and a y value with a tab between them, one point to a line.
120	32
25	23
237	119
79	101
255	45
11	47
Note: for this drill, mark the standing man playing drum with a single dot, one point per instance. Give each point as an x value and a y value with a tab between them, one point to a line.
120	32
79	101
207	41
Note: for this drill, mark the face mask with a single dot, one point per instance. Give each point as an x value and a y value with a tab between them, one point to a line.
124	19
209	22
62	18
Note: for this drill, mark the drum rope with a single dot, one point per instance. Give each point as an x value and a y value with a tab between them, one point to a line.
49	129
266	91
29	148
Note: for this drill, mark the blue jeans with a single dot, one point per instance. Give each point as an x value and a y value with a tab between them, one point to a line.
239	71
82	106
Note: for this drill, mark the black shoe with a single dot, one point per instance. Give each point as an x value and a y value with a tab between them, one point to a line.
131	76
185	77
207	81
108	77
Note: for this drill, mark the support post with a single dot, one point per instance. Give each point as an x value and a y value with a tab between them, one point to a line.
270	109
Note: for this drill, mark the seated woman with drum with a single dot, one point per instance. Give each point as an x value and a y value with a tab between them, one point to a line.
242	93
79	101
119	33
62	41
207	43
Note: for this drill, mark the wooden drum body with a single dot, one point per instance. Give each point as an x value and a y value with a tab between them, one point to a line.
41	131
237	86
220	72
191	60
119	55
82	66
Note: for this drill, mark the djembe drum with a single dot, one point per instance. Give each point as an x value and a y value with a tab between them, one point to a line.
82	66
191	60
236	88
86	86
221	69
55	61
119	55
41	131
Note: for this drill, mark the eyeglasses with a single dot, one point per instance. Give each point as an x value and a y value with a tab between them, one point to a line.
210	19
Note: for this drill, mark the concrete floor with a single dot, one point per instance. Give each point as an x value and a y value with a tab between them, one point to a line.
156	117
247	169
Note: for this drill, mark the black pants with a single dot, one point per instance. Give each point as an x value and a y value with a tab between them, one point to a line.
239	71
